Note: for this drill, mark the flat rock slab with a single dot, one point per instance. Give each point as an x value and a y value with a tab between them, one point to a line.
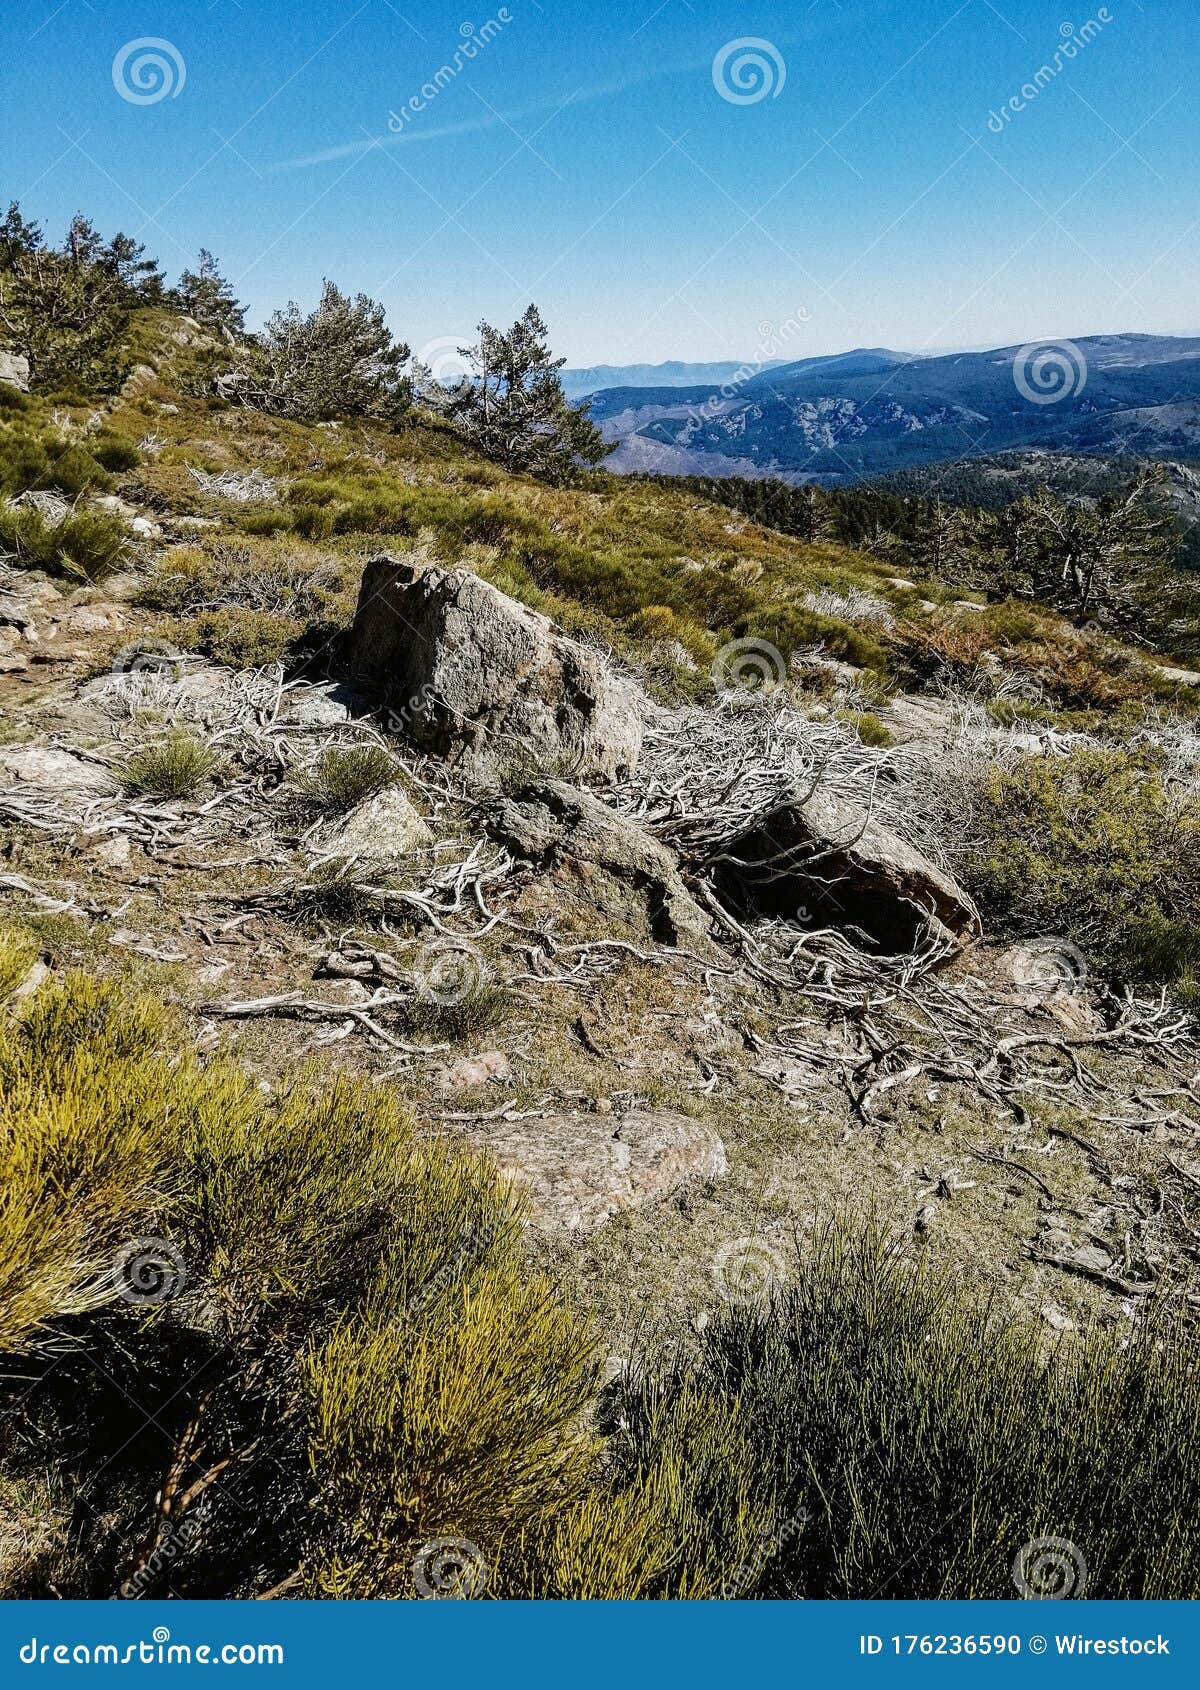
52	770
553	824
581	1170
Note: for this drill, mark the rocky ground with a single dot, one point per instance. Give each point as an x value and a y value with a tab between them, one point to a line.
695	975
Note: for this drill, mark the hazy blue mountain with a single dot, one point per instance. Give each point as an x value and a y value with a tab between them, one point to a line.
870	411
578	383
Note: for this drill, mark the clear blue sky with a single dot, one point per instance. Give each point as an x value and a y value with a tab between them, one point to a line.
584	158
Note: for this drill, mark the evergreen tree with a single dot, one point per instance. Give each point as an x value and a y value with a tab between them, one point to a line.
65	309
513	408
339	360
205	295
1107	559
18	238
140	276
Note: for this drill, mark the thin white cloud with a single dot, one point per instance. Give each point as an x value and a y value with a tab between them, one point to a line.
417	133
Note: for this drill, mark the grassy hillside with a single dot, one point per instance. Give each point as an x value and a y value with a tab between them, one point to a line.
256	1173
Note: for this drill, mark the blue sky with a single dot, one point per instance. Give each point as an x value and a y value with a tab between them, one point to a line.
880	191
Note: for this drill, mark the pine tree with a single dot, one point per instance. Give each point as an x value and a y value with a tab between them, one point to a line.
514	410
140	276
339	360
65	309
18	238
1108	559
205	295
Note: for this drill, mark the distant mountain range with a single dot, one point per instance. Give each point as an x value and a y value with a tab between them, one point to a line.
578	383
873	412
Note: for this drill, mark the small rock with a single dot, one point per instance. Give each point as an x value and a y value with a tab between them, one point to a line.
554	824
580	1170
84	620
916	717
14	369
111	505
1181	677
470	1072
113	851
380	829
1092	1258
319	707
38	973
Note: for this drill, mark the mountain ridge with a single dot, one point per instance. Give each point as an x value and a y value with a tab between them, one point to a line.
870	411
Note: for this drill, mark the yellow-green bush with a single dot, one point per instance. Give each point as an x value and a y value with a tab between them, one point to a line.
352	1336
177	766
84	546
1093	847
917	1441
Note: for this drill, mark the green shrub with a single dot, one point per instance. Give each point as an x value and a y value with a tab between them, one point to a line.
481	1007
868	727
114	452
1094	848
177	767
918	1441
249	605
347	775
85	546
243	639
48	461
289	1291
336	893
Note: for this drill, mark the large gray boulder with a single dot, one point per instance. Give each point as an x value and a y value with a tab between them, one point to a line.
829	862
557	827
473	676
581	1170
